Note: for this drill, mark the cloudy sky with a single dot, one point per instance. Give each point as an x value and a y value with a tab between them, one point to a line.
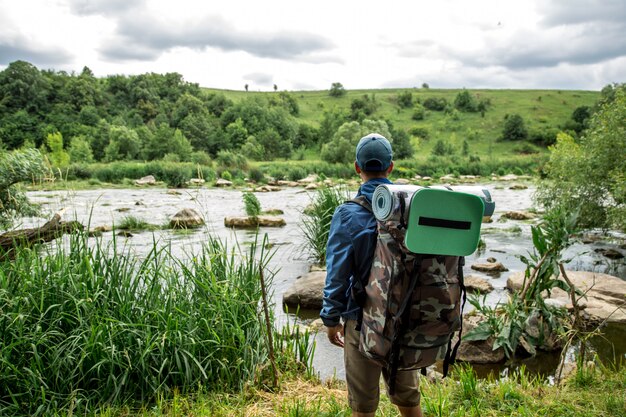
564	44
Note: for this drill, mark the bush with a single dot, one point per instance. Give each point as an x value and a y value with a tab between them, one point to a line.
435	103
465	102
252	204
256	175
420	132
514	128
405	99
419	112
228	160
296	173
175	175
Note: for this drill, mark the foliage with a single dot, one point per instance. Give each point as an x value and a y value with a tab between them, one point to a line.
591	173
251	204
80	150
58	157
343	145
435	103
15	167
465	102
419	112
316	220
362	107
86	326
507	323
337	90
514	128
405	99
442	148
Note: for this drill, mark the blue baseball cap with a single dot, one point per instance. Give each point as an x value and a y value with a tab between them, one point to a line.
373	153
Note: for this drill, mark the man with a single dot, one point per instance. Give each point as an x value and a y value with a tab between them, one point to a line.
349	254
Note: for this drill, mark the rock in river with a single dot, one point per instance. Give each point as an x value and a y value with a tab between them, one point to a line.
606	294
306	291
490	267
250	221
186	219
474	283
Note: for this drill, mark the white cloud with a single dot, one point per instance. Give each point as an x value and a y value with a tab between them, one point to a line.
366	44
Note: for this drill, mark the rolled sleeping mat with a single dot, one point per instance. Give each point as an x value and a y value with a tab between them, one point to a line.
386	200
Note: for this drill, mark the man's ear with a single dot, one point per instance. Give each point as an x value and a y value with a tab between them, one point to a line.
357	168
390	168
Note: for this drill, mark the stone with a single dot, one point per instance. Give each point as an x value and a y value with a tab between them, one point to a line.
221	182
250	221
124	233
606	294
122	209
519	215
196	181
311	186
102	229
311	178
538	330
401	181
287	183
316	326
306	291
518	187
273	212
186	219
477	351
147	180
508	177
490	267
610	253
474	283
173	192
267	189
491	259
140	203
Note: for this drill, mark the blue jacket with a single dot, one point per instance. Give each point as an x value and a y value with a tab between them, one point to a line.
349	252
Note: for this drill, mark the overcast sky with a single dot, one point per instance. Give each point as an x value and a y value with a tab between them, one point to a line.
297	45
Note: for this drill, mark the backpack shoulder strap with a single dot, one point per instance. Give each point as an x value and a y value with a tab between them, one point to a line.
363	202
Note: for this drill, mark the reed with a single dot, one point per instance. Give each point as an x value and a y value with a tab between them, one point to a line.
316	219
83	325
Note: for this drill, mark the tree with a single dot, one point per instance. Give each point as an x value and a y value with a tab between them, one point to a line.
246	87
80	150
123	144
341	148
337	90
436	103
275	87
514	128
425	86
591	174
58	157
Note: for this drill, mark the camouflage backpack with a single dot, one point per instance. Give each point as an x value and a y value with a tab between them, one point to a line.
412	304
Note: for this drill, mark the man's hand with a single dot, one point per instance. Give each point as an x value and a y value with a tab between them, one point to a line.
335	335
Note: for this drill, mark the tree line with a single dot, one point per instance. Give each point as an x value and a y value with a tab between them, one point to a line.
79	118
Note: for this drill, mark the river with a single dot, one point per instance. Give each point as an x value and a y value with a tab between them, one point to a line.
505	239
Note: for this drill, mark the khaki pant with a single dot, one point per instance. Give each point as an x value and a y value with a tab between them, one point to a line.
363	378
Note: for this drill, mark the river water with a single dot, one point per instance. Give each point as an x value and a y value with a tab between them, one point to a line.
505	240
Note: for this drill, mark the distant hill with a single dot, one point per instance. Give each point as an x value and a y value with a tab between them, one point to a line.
544	112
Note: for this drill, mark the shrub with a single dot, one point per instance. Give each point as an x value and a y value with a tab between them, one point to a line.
435	103
296	173
228	160
514	128
466	102
405	99
419	112
256	175
175	175
420	132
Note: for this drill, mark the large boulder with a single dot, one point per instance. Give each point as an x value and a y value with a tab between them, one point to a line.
186	219
306	291
605	294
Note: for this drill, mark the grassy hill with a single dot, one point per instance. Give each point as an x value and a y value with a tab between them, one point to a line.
543	111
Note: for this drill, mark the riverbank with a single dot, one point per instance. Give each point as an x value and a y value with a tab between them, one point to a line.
594	391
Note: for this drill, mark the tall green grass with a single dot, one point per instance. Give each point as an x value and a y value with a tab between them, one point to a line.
316	219
82	325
